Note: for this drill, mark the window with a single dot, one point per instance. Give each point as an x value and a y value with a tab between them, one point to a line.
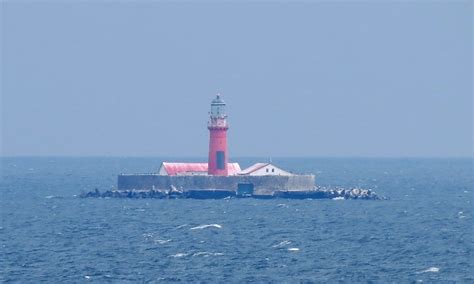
267	170
273	170
220	160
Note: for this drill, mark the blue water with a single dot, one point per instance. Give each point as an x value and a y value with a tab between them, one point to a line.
424	232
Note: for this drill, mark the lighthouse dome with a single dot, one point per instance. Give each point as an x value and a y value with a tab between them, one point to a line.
218	107
218	100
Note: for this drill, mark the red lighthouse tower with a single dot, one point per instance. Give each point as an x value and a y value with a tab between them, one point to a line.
217	125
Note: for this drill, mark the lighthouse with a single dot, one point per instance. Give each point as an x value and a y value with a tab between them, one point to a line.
217	125
216	178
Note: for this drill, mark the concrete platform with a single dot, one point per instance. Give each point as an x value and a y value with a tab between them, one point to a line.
254	185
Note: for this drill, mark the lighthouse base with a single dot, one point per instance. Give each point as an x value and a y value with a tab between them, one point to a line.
218	187
335	193
237	185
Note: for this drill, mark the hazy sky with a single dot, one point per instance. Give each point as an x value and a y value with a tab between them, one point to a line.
347	78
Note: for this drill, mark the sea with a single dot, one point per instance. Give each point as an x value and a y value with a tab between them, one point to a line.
423	232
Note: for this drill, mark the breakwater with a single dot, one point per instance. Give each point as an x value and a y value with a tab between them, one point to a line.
258	185
219	187
174	193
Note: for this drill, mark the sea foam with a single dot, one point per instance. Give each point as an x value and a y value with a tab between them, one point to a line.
281	244
200	227
431	269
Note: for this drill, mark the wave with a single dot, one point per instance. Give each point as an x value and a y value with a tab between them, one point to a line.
281	244
207	254
207	226
198	254
179	254
431	269
53	197
293	249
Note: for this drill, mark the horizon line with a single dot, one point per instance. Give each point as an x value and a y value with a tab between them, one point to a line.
240	157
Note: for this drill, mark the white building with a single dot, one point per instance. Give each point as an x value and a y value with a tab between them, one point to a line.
264	169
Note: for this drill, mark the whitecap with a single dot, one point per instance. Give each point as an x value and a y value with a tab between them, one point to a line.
160	242
52	196
338	198
87	277
282	205
206	226
431	269
207	254
179	254
293	249
148	235
182	226
283	243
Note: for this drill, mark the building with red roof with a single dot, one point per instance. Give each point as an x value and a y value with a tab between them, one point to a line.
176	169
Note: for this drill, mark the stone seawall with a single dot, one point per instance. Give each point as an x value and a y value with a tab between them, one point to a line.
317	193
261	184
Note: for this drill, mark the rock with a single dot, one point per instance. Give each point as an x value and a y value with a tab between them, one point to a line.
175	193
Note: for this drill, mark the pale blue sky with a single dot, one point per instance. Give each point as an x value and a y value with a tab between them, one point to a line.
120	78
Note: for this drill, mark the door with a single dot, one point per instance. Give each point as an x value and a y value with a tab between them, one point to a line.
244	189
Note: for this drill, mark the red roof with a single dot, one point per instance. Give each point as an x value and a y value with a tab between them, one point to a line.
173	169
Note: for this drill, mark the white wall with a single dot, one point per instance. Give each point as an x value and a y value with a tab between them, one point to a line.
162	170
270	170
